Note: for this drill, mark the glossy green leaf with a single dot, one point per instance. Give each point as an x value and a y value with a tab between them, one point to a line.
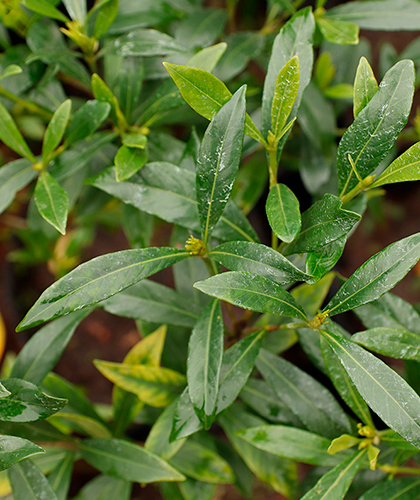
60	477
283	213
218	161
52	201
392	342
134	140
45	8
365	86
205	352
86	120
339	32
154	386
27	403
399	488
41	431
382	388
105	17
28	482
185	421
295	38
288	442
13	177
201	28
324	222
55	130
238	363
105	487
146	42
206	94
153	302
257	259
14	449
85	285
128	161
42	351
323	259
285	93
127	461
10	135
310	401
373	133
103	93
253	292
81	424
405	168
336	482
377	275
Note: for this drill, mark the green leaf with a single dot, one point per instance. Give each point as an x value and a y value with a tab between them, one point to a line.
86	120
257	259
339	91
42	432
127	461
294	39
339	32
323	223
296	444
13	177
10	135
85	285
404	168
205	352
45	8
76	9
14	449
52	201
103	93
202	464
154	386
185	420
238	363
283	213
105	487
392	342
28	482
128	161
201	28
27	403
253	292
218	161
285	93
365	86
42	351
134	140
335	483
153	302
310	401
399	488
105	17
206	94
377	275
146	42
323	259
81	424
12	69
208	58
373	133
55	130
384	391
3	391
60	477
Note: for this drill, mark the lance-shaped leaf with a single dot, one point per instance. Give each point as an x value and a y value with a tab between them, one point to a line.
52	201
145	42
106	15
42	351
335	483
310	401
128	161
296	444
86	120
99	279
10	135
105	487
103	93
27	403
13	177
14	449
127	461
405	168
285	93
81	424
60	477
206	94
373	133
392	342
258	259
55	130
382	388
29	483
218	161
205	352
377	275
238	363
253	292
324	222
365	86
295	38
283	213
42	432
322	260
399	488
45	8
154	386
185	421
339	32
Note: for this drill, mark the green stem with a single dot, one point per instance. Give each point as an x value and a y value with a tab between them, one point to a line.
393	469
272	170
211	266
30	106
363	185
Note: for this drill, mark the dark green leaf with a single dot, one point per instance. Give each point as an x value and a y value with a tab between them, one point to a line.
86	120
365	86
400	488
218	161
13	177
60	477
103	93
127	461
128	161
52	201
105	487
283	213
10	135
14	449
85	285
142	42
201	28
325	258
45	8
28	482
185	420
55	130
105	17
339	32
42	432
